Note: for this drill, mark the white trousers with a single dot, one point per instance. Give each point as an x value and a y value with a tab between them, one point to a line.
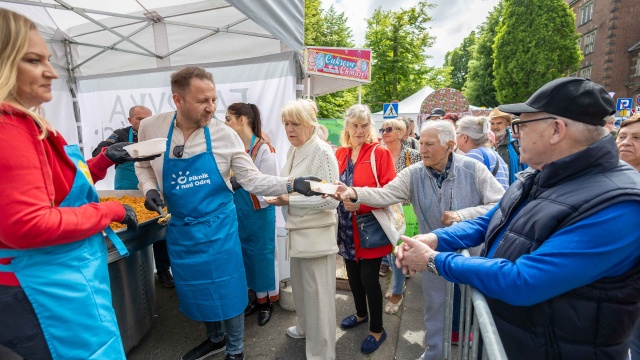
313	282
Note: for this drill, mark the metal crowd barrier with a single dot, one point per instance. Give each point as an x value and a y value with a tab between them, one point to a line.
473	305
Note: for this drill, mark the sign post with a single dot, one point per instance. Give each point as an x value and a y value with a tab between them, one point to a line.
390	110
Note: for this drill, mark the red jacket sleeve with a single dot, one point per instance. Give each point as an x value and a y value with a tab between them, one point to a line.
385	169
28	216
98	166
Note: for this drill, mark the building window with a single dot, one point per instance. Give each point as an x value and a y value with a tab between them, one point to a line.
585	73
638	65
589	42
586	13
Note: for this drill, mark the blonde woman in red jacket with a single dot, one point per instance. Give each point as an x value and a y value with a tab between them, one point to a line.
358	141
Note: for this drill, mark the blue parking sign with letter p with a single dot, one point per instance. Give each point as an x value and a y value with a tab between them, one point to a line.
624	104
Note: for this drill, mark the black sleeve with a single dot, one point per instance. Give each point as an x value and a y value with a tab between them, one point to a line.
119	135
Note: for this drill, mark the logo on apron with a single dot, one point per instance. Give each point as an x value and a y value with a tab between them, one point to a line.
186	181
85	170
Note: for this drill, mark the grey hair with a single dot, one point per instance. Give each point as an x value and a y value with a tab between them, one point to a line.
445	129
586	134
476	128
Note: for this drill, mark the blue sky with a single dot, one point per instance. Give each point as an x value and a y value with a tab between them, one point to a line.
452	20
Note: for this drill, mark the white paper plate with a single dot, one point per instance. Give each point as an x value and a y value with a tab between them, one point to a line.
147	148
269	198
324	188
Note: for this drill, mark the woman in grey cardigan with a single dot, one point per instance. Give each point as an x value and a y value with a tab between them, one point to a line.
312	226
444	188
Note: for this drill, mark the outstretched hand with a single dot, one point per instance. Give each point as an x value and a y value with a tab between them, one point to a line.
302	186
119	155
343	193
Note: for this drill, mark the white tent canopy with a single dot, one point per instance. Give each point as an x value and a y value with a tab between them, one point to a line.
101	37
409	107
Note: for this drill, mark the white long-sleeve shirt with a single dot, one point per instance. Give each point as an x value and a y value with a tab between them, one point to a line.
228	151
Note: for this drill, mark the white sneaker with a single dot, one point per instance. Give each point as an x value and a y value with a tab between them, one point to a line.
294	333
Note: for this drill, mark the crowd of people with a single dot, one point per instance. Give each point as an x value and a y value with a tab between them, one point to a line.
542	193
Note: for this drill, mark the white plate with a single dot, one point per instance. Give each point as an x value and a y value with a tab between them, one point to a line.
147	148
324	188
269	198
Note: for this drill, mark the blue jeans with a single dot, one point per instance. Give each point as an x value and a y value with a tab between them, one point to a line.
398	277
235	332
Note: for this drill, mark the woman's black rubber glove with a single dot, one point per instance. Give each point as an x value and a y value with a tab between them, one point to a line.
130	218
119	155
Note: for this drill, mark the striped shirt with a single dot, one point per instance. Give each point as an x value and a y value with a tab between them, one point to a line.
503	170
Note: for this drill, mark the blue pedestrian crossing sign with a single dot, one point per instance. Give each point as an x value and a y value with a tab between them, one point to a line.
390	111
624	104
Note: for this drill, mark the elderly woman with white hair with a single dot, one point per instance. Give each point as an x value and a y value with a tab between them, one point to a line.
358	156
472	135
311	223
444	188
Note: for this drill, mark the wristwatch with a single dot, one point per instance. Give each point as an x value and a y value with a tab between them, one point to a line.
354	200
290	185
431	265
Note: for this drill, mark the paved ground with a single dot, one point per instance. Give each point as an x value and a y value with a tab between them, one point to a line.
173	334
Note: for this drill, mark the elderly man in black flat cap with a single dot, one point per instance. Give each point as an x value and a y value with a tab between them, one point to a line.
561	262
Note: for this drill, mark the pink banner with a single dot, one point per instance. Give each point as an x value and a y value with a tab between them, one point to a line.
353	64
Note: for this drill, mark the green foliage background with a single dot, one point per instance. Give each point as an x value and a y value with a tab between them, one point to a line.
535	43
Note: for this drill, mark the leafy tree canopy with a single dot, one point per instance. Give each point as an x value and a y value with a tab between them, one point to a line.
479	88
458	60
536	42
399	40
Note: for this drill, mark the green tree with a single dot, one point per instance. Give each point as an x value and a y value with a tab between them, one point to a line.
458	61
536	43
336	34
479	88
399	40
314	25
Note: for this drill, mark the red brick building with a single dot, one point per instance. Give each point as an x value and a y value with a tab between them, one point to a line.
610	42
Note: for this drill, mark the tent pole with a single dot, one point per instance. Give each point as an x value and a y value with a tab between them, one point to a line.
359	93
308	86
73	86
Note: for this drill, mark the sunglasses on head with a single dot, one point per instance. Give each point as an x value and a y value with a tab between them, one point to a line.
178	151
386	130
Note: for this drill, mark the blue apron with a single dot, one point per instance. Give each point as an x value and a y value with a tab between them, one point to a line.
126	178
68	284
257	231
202	237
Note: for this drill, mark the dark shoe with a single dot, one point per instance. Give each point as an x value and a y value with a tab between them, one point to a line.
384	270
351	321
250	309
234	356
265	313
205	349
370	344
166	279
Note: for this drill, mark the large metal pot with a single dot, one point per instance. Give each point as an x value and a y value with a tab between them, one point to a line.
132	284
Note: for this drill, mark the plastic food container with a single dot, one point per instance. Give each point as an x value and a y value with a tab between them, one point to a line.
147	148
324	188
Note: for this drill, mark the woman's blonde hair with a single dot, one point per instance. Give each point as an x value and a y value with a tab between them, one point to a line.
14	41
399	125
357	112
301	111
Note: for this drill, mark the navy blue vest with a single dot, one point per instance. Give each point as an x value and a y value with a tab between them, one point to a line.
590	322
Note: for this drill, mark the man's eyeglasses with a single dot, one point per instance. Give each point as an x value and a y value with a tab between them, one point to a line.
515	126
178	151
386	130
